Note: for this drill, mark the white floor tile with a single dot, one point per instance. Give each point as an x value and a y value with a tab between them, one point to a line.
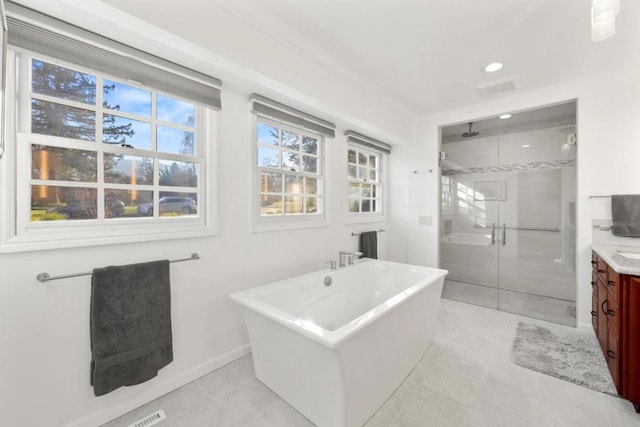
429	406
568	404
224	381
620	412
465	378
177	405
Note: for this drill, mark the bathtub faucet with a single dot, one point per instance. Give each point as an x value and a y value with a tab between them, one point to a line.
348	255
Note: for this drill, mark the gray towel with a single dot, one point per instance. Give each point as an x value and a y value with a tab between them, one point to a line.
369	244
130	324
625	212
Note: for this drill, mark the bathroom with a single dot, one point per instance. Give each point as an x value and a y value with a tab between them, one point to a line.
44	327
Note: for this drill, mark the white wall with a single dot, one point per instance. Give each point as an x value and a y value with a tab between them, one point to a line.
608	152
44	328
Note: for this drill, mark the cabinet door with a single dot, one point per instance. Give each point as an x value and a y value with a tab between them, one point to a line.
614	354
594	301
594	309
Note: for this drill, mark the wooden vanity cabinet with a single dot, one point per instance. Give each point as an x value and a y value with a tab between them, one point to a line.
631	339
616	322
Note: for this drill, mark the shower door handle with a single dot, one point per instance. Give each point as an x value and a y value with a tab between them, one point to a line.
493	233
504	234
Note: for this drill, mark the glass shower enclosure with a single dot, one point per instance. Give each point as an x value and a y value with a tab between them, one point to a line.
507	231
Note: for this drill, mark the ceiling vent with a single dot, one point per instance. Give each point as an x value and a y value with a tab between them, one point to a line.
498	86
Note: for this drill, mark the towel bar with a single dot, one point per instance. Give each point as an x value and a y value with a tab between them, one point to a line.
377	231
44	277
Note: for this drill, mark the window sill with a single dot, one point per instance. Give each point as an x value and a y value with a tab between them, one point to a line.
273	224
365	218
102	236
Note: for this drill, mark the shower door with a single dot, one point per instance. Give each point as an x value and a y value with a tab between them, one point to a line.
470	223
524	183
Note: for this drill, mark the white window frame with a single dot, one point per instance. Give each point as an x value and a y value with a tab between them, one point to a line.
377	216
261	223
18	233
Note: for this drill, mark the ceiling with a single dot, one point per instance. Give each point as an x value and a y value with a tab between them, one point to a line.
429	55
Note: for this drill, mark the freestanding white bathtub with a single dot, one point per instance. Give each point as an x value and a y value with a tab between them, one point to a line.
337	352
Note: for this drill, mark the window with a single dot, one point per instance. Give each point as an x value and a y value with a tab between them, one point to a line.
365	162
289	167
365	188
290	171
104	150
99	158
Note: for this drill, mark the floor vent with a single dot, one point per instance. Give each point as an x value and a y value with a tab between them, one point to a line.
150	420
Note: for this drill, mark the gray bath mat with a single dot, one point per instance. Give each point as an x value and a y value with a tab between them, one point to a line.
566	354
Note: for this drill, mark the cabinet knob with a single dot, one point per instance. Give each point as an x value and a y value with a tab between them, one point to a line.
593	284
601	271
611	313
593	313
611	283
611	354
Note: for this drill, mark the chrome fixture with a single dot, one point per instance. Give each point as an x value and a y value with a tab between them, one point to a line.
382	230
349	256
504	234
332	264
470	133
45	277
568	148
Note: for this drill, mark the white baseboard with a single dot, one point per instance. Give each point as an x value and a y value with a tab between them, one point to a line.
585	327
114	411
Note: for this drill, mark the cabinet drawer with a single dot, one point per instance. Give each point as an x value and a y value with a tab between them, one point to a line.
613	310
614	285
601	268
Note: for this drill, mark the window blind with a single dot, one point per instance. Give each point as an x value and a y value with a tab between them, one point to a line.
47	35
365	141
270	109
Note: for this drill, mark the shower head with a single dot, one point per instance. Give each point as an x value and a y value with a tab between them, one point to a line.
470	133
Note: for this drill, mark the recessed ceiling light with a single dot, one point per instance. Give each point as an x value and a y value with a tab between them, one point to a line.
494	66
505	116
526	145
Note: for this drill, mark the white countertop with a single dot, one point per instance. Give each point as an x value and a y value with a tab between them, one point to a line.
621	264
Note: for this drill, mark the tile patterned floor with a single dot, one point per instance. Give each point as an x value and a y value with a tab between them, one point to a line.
464	379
